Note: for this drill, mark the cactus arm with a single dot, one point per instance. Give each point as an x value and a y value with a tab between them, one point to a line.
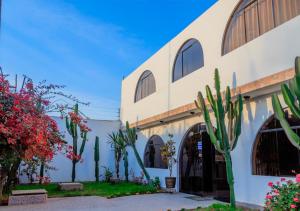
290	100
231	122
297	66
227	98
279	114
214	107
210	98
83	143
238	121
209	127
217	81
68	125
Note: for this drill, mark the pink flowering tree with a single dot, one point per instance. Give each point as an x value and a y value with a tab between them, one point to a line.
77	128
26	130
284	195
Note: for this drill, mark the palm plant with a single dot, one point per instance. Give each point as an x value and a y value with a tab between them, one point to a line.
130	138
291	96
224	137
118	147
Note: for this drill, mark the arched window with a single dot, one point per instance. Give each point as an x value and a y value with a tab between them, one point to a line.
253	18
152	156
189	58
273	153
146	86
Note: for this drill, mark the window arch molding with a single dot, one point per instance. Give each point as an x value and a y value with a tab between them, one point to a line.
152	155
272	153
252	18
146	86
189	58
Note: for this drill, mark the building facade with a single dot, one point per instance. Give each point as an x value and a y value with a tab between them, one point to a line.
254	44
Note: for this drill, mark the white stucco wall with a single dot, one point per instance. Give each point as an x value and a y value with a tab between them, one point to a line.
85	171
270	53
249	188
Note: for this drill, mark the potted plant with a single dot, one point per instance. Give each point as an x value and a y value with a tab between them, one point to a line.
168	152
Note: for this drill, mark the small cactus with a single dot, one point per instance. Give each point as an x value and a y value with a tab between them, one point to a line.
96	158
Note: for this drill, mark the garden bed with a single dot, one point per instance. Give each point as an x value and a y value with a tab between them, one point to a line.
94	189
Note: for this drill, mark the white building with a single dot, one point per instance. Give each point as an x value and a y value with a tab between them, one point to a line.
254	44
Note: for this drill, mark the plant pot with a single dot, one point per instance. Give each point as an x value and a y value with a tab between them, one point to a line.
170	182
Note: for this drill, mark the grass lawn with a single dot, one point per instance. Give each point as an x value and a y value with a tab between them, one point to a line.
94	189
216	207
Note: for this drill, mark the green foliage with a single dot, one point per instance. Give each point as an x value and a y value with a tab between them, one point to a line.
94	189
119	144
284	195
155	183
129	136
224	137
168	152
215	207
96	158
107	174
291	96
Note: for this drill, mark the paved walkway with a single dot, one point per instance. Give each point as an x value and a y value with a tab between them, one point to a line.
151	202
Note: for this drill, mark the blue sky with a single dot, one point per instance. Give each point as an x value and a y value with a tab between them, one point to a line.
89	45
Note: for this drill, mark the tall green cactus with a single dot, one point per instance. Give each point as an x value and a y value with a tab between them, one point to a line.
131	140
291	96
72	128
224	137
96	158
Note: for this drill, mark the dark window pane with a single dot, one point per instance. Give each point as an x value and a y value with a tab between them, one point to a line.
152	155
146	86
274	155
177	74
192	58
189	59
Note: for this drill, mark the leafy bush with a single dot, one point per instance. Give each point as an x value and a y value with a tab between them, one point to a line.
155	183
284	195
107	174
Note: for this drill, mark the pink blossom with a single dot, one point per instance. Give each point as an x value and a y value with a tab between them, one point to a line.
295	199
298	178
282	179
269	196
293	206
270	184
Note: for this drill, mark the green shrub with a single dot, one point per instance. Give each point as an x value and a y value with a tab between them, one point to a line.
284	195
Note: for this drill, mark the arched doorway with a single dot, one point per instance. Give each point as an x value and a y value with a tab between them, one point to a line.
202	169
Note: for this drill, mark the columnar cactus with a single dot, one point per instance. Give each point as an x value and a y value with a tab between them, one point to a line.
291	96
224	137
73	123
96	158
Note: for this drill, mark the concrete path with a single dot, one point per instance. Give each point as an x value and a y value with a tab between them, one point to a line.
151	202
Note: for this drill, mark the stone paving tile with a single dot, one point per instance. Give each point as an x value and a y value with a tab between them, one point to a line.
151	202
